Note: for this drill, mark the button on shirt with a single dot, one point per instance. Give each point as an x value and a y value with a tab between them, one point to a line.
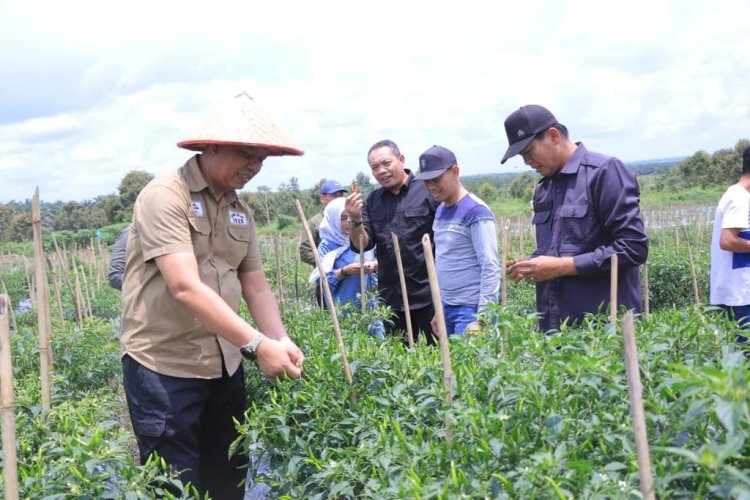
589	210
409	214
176	213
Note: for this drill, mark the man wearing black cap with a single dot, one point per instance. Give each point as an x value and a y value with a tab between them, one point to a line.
402	206
586	208
330	190
466	259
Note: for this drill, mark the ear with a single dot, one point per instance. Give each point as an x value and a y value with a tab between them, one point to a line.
555	135
456	170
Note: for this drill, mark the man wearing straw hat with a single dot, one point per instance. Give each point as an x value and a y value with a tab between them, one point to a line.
466	259
402	206
586	208
191	254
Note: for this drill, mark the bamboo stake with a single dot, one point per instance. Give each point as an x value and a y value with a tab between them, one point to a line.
78	296
65	272
404	293
636	405
10	308
279	281
692	268
445	353
521	234
503	259
29	281
58	295
646	292
362	282
329	300
88	294
10	465
613	290
42	305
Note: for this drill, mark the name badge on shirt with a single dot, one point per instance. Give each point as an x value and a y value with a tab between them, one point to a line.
238	218
197	208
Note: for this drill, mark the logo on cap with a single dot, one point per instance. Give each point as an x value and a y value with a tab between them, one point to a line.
521	133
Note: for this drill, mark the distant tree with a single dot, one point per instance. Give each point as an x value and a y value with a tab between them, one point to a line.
522	186
130	186
692	170
365	184
111	207
72	216
20	229
487	192
7	214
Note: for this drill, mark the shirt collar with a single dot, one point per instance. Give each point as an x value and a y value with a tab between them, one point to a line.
574	162
196	183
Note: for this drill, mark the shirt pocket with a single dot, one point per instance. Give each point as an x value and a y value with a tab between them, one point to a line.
418	217
541	222
200	234
239	243
576	228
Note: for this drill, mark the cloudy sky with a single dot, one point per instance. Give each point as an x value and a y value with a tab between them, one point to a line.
91	90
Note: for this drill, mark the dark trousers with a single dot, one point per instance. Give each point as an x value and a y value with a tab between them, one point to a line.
188	422
420	324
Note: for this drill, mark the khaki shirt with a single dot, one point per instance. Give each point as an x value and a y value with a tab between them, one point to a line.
176	213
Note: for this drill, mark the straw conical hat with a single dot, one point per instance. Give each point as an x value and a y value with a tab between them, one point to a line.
242	123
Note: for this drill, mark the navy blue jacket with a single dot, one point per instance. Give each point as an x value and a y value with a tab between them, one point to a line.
589	210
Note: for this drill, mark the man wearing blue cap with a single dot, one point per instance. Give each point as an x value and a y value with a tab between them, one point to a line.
586	208
466	260
330	190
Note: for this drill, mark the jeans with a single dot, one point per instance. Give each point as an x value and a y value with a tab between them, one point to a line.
458	318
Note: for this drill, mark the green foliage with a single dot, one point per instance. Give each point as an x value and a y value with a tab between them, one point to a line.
532	415
284	220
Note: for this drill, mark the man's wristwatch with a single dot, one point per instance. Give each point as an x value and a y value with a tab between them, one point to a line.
249	350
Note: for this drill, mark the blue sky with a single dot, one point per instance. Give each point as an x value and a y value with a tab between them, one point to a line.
93	90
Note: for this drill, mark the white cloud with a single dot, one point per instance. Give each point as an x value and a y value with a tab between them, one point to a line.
95	90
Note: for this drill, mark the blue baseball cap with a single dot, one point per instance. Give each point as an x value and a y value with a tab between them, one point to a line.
435	161
331	187
523	124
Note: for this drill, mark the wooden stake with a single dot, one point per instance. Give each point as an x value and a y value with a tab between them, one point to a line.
613	290
42	305
503	259
10	308
404	292
10	464
646	299
692	268
78	297
279	282
63	261
56	286
329	300
636	405
88	294
362	279
445	353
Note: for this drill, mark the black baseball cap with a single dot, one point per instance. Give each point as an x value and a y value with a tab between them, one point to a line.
435	161
523	124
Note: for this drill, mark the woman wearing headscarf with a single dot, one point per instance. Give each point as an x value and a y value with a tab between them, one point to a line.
340	263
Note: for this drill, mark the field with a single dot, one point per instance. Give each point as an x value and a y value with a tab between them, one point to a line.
532	416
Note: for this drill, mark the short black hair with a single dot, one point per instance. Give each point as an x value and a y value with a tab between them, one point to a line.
387	143
746	160
558	126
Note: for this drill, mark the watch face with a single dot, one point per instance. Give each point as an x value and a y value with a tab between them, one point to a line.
247	353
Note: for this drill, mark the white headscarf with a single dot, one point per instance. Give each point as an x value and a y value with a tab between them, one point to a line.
338	242
330	227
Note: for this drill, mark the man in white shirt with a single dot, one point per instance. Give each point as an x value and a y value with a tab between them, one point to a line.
730	250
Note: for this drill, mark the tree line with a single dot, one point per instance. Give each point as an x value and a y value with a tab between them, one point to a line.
277	207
